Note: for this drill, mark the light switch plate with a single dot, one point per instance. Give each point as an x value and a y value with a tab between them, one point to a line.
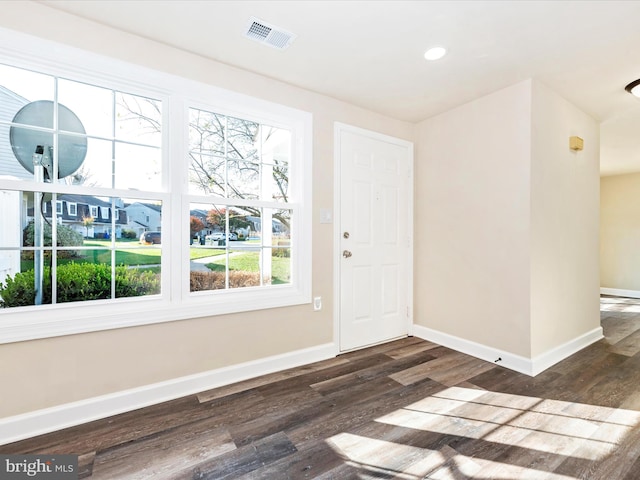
326	215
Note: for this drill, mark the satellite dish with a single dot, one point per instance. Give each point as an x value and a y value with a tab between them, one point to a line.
72	150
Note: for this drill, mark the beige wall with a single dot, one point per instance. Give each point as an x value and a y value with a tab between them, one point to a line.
507	222
620	232
472	221
478	202
54	371
565	289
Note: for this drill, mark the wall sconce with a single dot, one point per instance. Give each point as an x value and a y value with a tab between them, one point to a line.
576	144
634	88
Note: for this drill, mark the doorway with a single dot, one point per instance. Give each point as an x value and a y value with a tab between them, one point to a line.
374	195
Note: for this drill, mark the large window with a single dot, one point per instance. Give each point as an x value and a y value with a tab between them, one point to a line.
69	141
243	166
94	166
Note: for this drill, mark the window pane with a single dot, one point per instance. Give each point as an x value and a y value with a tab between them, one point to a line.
225	251
138	281
11	224
16	155
244	267
206	132
208	247
280	264
278	186
141	216
18	288
138	119
10	234
83	275
207	174
277	259
97	168
19	87
38	113
138	167
276	145
282	223
92	105
148	255
242	138
211	276
243	179
9	165
72	152
276	154
207	164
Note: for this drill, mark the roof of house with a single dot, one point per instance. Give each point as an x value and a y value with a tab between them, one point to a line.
152	206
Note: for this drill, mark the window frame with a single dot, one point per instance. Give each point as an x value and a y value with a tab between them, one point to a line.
178	94
72	209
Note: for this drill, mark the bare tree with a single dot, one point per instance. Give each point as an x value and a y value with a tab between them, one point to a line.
226	156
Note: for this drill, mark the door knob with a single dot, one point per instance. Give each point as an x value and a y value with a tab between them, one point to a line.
346	254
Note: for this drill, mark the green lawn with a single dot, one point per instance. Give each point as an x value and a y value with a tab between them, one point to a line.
202	252
128	252
249	262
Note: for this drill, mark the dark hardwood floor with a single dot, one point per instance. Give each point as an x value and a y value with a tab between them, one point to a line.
409	409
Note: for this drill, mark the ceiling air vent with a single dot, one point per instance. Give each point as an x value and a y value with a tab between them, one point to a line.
268	34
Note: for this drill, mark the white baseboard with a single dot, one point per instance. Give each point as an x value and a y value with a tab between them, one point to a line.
620	293
47	420
508	360
555	355
489	354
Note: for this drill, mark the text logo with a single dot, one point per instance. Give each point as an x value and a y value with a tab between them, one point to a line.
39	467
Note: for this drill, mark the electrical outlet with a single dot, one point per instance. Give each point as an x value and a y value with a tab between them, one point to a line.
317	304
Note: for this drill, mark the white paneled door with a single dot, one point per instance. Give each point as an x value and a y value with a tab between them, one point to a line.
375	237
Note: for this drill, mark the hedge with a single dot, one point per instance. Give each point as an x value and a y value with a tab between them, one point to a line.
78	282
216	280
65	237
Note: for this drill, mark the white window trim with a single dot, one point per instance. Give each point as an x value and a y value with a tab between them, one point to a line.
176	302
74	209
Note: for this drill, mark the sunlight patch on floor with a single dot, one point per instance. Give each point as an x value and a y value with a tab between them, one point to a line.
546	428
619	304
379	458
620	308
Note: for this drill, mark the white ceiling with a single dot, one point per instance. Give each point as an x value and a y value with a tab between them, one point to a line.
370	53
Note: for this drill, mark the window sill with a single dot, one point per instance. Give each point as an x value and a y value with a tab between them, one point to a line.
33	323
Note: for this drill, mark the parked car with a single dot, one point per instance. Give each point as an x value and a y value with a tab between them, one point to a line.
218	237
151	238
215	236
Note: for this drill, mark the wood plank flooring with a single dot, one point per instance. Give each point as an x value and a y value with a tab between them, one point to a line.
409	409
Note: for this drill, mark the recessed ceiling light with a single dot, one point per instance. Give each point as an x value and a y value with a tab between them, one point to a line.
634	88
435	53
